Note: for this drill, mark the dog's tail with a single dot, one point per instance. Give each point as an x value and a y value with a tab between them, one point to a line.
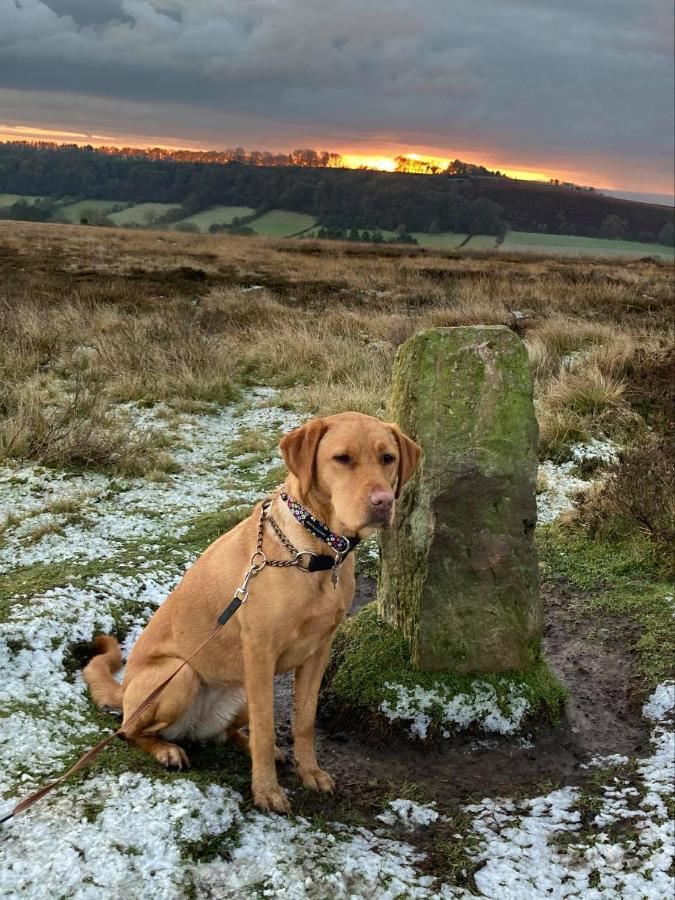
98	674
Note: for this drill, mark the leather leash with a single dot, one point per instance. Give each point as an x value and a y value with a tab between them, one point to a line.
93	752
256	565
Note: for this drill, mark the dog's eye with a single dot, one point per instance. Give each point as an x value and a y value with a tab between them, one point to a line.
388	459
343	458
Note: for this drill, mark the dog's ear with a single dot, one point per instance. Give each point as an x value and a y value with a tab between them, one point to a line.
408	457
298	449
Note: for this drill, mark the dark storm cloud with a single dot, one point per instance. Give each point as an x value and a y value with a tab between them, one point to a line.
554	78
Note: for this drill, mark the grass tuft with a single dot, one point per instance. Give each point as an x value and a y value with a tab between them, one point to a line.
638	496
575	406
586	392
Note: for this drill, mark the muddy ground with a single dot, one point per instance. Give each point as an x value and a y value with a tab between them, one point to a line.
602	717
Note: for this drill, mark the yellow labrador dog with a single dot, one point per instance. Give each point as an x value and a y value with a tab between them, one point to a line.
344	473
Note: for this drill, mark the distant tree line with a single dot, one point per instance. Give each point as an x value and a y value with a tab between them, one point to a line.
338	198
307	158
239	225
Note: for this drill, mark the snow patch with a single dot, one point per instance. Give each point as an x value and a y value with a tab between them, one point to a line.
601	762
562	483
45	708
409	813
112	511
292	860
132	835
524	857
114	836
420	706
661	703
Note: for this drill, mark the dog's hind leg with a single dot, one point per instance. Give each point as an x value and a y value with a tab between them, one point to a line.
170	706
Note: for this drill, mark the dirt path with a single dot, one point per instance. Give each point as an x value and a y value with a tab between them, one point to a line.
602	718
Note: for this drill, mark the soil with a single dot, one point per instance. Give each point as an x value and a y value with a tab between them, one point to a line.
602	717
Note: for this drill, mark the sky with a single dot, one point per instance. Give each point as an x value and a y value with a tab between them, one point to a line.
582	90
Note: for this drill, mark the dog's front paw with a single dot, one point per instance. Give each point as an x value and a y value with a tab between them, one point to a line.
317	780
271	797
171	756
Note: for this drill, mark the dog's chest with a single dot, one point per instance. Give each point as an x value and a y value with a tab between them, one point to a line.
313	622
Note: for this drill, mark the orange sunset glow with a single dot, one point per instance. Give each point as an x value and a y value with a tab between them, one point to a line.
388	164
381	160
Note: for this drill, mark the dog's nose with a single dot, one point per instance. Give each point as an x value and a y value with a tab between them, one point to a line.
382	501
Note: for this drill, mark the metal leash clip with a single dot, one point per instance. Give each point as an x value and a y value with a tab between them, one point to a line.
255	567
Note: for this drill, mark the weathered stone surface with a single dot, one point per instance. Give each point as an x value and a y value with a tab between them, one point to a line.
458	571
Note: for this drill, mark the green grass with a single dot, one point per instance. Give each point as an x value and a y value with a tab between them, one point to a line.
282	223
138	215
74	212
254	440
368	653
39	577
210	763
565	243
444	240
625	579
217	215
481	242
206	528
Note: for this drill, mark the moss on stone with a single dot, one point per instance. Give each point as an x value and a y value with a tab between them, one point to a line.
369	653
458	570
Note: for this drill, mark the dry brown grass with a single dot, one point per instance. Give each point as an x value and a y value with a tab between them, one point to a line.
77	428
577	404
638	495
146	316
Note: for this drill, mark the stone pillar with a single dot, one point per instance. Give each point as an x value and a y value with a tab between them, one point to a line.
458	570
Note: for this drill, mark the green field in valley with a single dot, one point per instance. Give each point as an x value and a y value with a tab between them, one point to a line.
566	243
278	223
441	241
142	214
217	215
282	223
73	213
481	242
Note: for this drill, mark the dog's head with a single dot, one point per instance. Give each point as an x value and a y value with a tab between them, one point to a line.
354	464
